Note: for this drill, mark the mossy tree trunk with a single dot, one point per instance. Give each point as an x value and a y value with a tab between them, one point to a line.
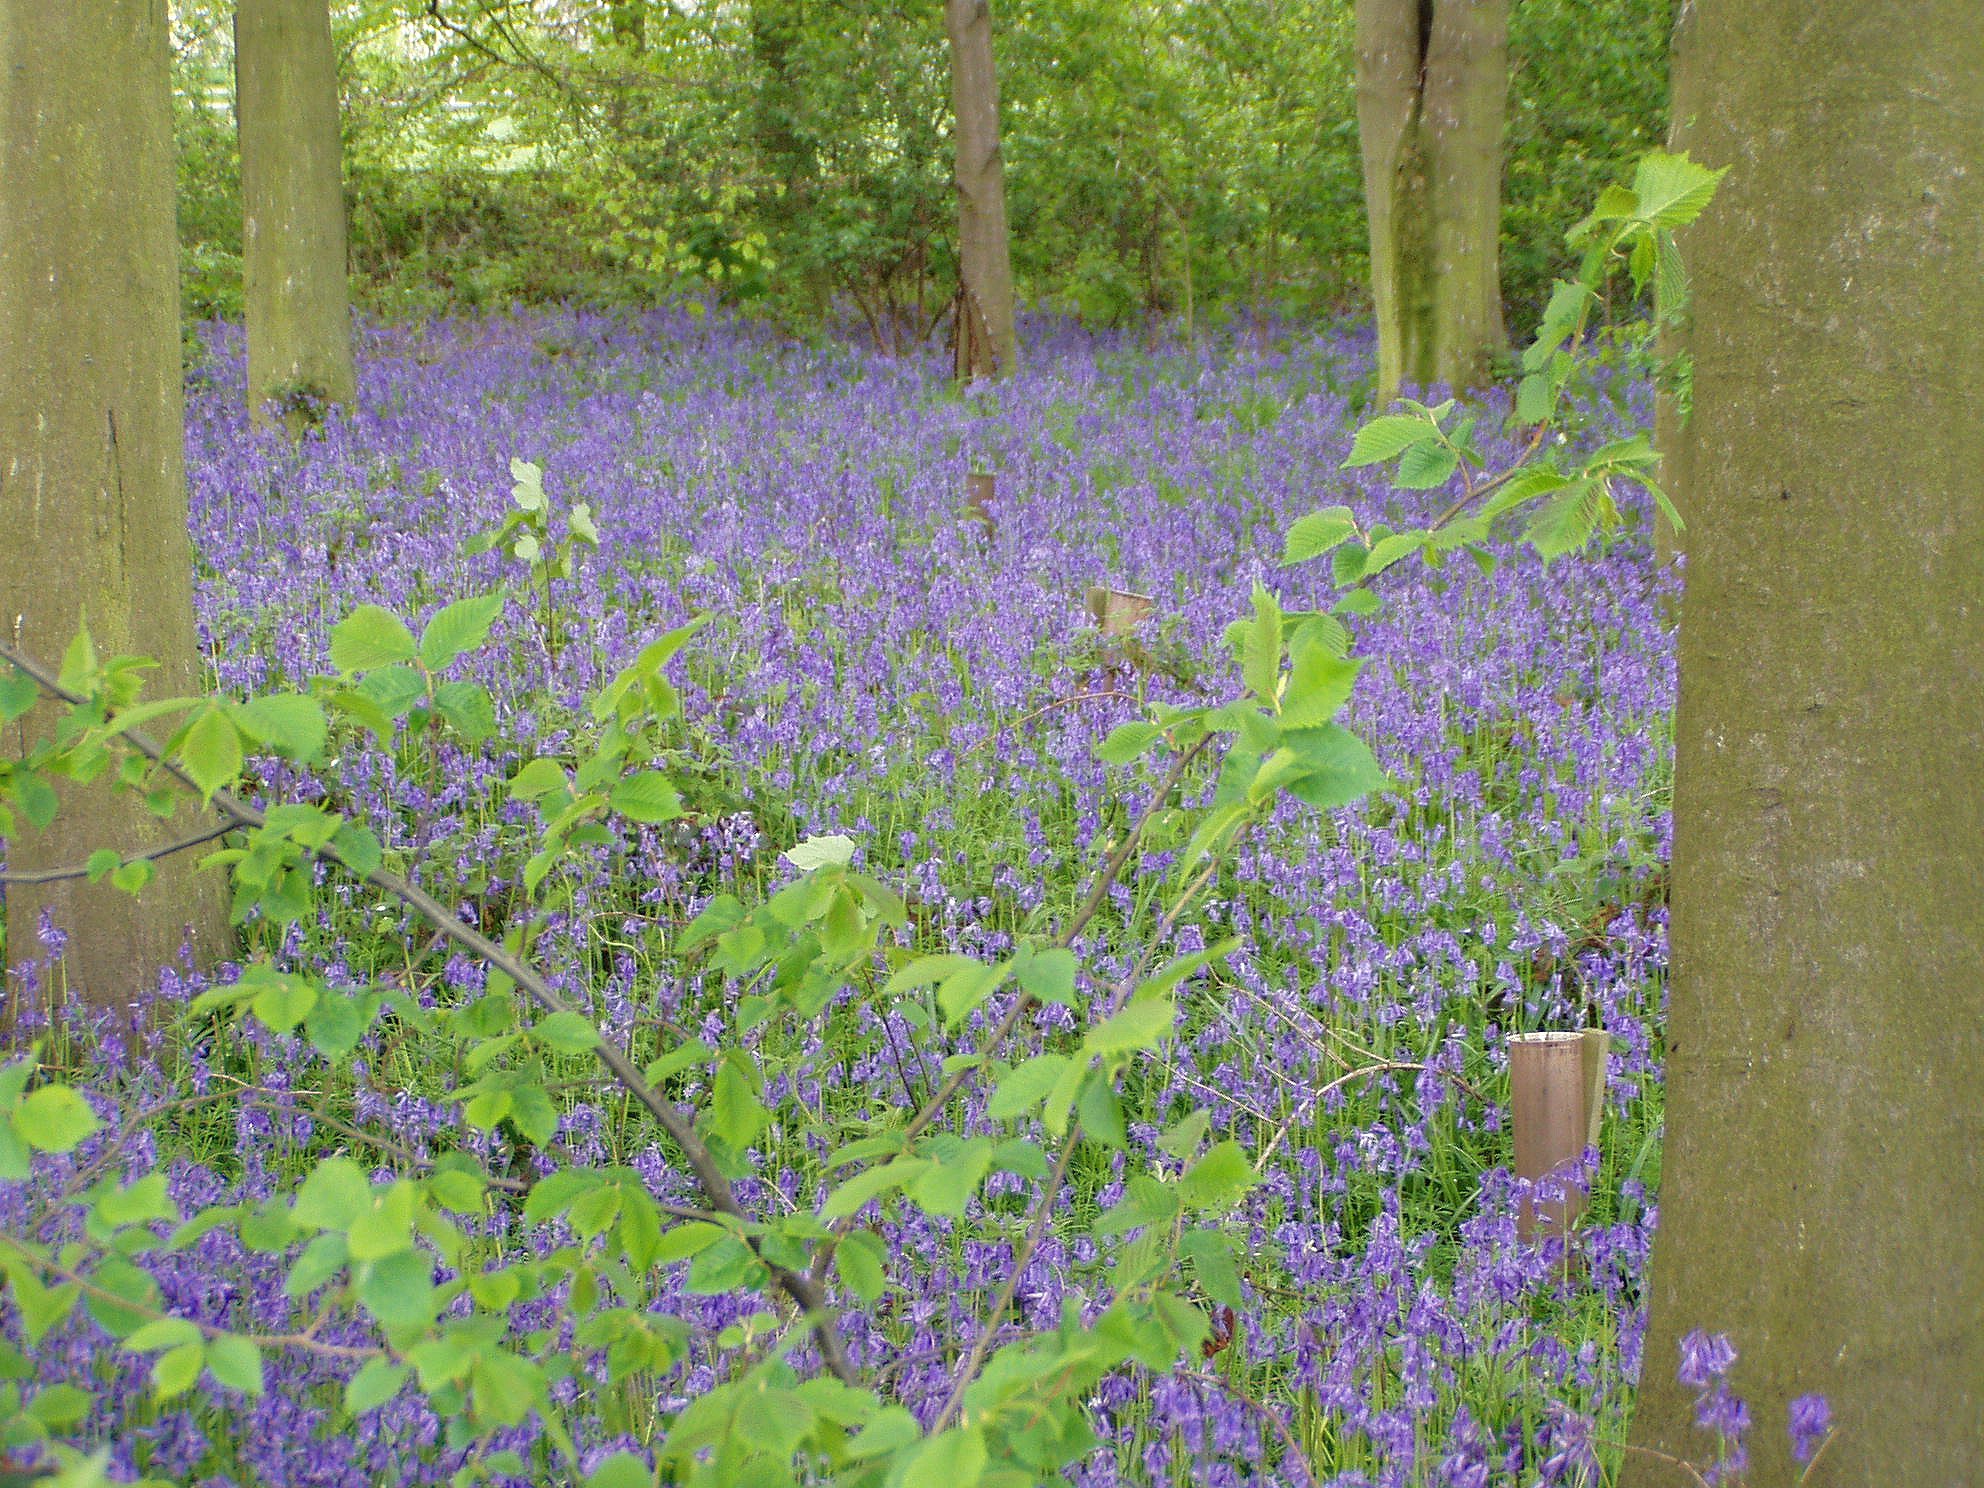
1822	1193
92	474
988	343
1432	85
293	225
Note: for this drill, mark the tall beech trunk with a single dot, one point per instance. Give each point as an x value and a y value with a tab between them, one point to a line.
1432	82
988	345
1822	1194
92	473
293	225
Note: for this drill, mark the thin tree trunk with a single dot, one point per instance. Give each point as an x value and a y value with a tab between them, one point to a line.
988	344
92	475
293	224
1432	81
1822	1197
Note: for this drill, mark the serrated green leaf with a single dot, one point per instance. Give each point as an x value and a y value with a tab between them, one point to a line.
211	751
370	637
1025	1086
1338	767
1260	659
1387	437
1142	1025
457	629
1563	524
1423	467
1314	535
1126	741
1672	190
1218	1179
287	722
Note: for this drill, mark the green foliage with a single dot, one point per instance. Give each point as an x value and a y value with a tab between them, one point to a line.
1161	160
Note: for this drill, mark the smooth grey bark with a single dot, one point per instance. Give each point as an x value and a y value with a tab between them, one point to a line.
92	476
988	343
1822	1193
1432	87
293	249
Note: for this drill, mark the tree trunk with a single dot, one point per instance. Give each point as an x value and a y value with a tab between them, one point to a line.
1822	1198
1432	81
293	225
92	472
988	345
1668	421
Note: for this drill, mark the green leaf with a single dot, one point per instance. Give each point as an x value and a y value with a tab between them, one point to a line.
131	877
336	1193
1423	467
458	628
358	847
835	849
211	751
287	722
946	1186
60	1407
1026	1086
568	1032
1387	437
539	778
1047	976
1672	190
237	1363
174	1371
647	797
1126	741
1260	660
1338	767
621	1470
859	1259
18	693
54	1119
965	990
1142	1025
1389	549
1319	684
1219	1178
738	1115
528	492
379	1381
398	1290
1563	524
467	709
370	637
283	1002
1314	535
952	1459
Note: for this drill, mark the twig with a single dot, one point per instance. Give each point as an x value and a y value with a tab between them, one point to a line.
1043	1214
804	1290
151	855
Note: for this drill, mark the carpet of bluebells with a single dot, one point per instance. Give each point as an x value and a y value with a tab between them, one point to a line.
879	663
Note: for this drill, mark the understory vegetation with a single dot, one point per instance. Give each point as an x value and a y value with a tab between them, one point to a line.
881	662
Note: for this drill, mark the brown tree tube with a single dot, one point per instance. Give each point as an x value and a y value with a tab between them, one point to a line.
1557	1091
